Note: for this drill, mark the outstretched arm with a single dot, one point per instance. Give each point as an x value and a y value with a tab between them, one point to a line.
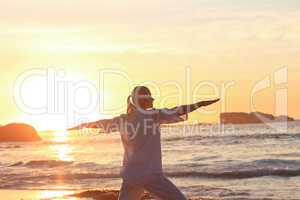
108	125
174	115
185	109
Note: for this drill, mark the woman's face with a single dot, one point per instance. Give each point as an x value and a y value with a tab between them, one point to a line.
145	100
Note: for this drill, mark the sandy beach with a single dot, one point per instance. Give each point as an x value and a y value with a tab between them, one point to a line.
69	195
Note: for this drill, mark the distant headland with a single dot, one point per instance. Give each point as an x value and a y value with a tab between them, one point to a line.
251	118
18	132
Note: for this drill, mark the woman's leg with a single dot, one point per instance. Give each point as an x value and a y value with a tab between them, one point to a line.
161	187
130	192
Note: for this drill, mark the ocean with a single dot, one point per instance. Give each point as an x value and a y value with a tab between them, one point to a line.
252	161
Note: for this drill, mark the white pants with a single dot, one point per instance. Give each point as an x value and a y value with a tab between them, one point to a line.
158	185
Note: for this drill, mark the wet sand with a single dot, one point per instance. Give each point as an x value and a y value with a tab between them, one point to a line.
68	195
113	195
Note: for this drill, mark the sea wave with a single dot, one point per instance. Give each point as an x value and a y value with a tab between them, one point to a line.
259	136
193	174
238	174
277	162
42	163
255	168
59	163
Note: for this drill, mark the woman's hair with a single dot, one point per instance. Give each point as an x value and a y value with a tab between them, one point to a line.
133	98
130	106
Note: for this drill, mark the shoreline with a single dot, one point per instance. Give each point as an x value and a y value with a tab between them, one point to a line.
94	194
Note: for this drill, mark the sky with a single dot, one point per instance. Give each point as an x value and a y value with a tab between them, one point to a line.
246	52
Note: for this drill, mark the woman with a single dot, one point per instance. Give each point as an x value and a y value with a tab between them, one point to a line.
140	134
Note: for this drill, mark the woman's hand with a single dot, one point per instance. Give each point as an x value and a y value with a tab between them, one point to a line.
206	103
185	109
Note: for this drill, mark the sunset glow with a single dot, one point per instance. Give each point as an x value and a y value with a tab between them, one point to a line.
260	38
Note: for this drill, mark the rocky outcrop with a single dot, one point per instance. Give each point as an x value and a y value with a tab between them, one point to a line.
250	118
18	132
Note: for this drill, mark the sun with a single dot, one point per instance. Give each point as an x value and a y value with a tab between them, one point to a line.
49	105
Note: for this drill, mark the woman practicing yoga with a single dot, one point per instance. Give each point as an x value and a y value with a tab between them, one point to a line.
140	133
